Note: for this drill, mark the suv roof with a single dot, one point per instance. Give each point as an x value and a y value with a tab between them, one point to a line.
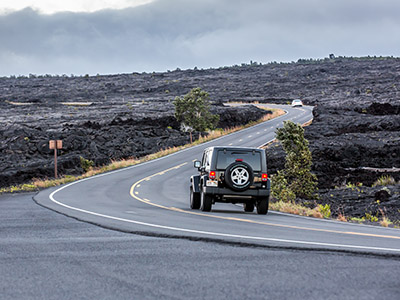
234	148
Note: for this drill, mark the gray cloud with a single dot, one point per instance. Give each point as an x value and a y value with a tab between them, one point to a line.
167	34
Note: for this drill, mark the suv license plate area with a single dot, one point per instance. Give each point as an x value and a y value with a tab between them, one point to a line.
213	183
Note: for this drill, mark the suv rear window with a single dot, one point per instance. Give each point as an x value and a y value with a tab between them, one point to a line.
225	158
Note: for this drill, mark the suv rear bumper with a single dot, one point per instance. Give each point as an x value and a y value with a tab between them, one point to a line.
229	192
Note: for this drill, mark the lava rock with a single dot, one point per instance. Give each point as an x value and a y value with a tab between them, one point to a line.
382	195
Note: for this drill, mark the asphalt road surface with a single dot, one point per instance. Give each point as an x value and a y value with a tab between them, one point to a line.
178	253
45	255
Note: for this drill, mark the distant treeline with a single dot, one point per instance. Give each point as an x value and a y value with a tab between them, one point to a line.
331	58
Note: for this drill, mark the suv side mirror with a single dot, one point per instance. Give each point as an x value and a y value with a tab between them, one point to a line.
197	164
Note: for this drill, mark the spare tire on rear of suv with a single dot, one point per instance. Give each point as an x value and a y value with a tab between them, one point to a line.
239	176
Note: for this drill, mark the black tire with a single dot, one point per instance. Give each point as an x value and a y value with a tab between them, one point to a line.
239	176
262	206
194	199
248	207
206	202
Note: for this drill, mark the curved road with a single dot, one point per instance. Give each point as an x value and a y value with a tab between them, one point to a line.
153	199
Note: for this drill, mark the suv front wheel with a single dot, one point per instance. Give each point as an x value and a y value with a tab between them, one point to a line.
248	207
194	199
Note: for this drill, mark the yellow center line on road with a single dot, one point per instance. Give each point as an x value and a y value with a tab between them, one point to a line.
134	193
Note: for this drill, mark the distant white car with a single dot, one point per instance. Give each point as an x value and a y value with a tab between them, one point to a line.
297	102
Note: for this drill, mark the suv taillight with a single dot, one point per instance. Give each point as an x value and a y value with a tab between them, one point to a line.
211	175
264	176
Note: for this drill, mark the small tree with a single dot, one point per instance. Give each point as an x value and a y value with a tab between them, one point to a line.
297	176
193	111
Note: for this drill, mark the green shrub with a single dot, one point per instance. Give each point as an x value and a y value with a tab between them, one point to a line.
358	220
371	218
86	164
325	210
354	186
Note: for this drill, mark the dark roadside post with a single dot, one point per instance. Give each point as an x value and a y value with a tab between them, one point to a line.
55	144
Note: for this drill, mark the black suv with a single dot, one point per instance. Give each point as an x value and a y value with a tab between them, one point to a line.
231	175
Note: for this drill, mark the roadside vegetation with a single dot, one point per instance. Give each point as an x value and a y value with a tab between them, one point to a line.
296	181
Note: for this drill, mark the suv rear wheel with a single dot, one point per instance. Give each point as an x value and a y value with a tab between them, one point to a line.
262	206
206	202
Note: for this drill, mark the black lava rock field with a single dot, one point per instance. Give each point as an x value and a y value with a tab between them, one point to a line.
354	137
100	132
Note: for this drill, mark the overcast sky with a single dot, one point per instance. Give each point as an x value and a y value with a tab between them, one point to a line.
123	36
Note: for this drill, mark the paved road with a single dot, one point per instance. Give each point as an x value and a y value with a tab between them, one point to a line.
45	255
152	199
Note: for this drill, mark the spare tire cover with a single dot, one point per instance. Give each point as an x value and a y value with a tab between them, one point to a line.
239	176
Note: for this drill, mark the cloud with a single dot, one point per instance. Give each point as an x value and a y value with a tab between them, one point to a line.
51	6
167	34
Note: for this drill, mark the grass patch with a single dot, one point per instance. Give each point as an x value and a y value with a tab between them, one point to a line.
324	211
384	181
296	209
341	218
38	184
385	222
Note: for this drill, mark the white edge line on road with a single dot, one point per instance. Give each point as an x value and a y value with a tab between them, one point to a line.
216	233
